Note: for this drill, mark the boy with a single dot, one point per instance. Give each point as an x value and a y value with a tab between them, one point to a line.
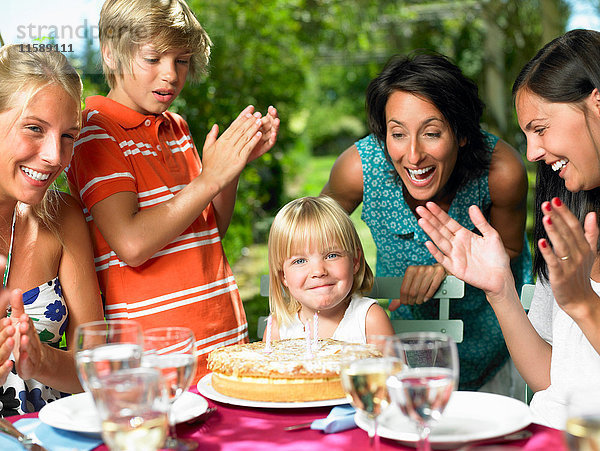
156	212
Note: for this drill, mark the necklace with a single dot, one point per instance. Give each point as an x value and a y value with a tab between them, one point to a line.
8	258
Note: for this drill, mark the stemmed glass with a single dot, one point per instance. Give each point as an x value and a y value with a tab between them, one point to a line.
171	350
364	377
133	408
424	386
103	347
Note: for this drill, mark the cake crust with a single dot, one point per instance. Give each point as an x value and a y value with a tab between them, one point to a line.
285	374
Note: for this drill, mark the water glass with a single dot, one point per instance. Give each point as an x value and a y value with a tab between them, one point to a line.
133	408
583	419
424	386
116	344
172	351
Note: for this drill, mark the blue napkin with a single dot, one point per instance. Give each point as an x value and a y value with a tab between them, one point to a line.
339	419
57	439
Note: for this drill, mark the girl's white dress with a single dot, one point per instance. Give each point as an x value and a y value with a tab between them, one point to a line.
352	327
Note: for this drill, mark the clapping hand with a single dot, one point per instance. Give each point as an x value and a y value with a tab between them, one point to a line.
28	351
479	260
248	137
571	256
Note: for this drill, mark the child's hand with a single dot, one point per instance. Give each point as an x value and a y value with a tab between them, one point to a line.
223	158
269	130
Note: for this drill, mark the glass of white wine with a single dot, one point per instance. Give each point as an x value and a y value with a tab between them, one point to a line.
133	408
364	380
171	350
424	386
115	344
583	419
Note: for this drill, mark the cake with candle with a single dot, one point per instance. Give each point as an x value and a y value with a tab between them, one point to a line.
280	371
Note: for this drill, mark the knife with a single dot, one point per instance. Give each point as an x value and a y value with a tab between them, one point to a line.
7	427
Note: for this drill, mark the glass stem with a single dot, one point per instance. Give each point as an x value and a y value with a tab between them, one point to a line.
423	444
373	436
172	426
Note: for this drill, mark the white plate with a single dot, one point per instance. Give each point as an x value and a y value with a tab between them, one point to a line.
78	412
468	416
205	388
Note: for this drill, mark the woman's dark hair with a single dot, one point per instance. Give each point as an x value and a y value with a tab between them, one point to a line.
566	70
436	79
549	185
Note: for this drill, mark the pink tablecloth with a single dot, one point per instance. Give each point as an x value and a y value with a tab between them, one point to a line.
233	428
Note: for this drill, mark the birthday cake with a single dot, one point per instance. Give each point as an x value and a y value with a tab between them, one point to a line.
287	372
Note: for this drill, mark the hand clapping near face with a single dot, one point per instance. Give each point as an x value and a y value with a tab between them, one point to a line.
571	256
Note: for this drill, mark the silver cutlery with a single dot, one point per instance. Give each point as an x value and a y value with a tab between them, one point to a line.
295	427
202	417
7	427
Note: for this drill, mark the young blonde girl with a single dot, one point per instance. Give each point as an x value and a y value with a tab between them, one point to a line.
317	272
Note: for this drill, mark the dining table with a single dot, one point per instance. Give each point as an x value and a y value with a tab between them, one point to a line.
235	428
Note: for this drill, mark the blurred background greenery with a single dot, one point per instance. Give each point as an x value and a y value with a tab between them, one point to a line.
313	59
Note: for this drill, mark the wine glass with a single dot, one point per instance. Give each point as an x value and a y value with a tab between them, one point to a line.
424	386
102	347
363	374
583	418
171	350
133	408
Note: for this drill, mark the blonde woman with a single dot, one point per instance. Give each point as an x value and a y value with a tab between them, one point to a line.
317	272
42	233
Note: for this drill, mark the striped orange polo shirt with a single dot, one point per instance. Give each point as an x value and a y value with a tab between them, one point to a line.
187	283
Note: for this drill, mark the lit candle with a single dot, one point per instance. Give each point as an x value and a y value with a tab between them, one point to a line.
315	331
307	339
268	347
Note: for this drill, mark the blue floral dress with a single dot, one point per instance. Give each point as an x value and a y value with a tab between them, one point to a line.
400	243
48	311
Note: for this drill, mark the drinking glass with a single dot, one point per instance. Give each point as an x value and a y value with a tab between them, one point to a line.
171	350
583	419
115	344
363	376
133	408
424	386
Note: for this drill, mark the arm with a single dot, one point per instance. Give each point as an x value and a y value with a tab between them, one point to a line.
224	202
482	261
345	183
378	323
51	366
136	235
508	191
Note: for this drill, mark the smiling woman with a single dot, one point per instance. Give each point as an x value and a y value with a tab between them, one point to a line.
49	280
426	144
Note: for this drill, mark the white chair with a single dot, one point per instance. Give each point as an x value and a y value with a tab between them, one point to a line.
389	288
526	297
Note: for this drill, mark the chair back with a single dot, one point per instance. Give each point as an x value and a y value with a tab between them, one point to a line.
389	288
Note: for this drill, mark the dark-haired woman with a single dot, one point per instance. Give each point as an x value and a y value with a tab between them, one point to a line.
426	144
556	349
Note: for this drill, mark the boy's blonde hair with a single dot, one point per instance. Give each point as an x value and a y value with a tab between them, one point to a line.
304	222
30	72
125	25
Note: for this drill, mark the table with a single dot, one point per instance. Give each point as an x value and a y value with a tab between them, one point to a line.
233	428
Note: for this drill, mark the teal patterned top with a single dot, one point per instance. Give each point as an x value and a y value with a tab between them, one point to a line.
400	243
